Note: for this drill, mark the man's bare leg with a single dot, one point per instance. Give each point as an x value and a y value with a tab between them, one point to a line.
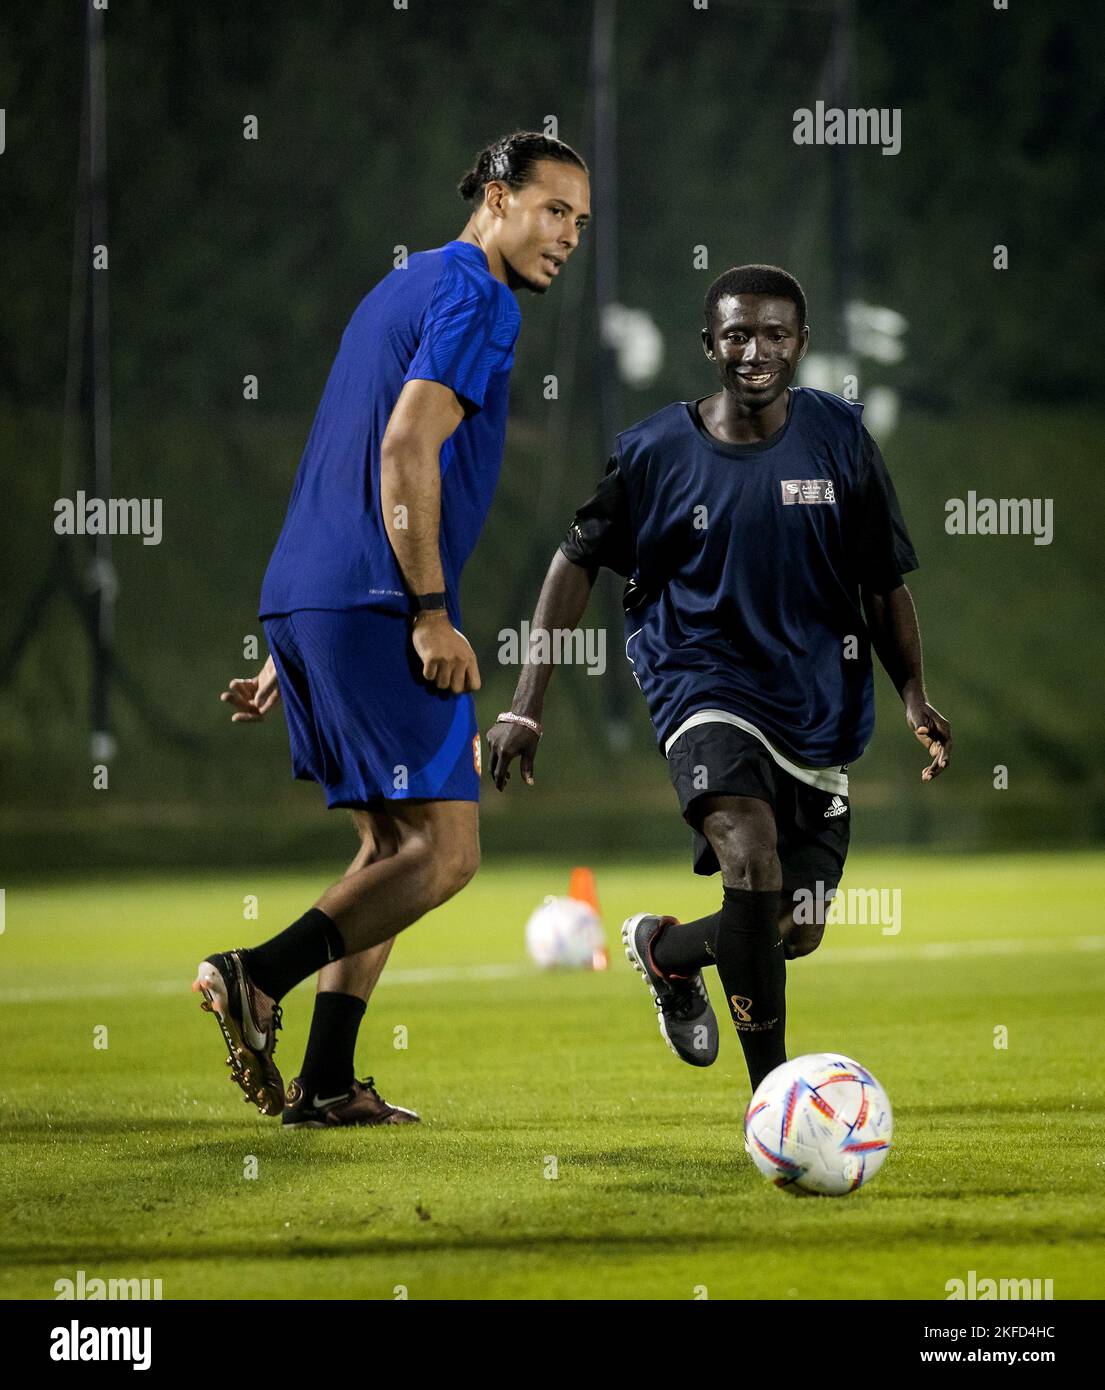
358	974
436	853
344	987
326	1092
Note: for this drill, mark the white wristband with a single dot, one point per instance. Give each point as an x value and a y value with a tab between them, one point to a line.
509	717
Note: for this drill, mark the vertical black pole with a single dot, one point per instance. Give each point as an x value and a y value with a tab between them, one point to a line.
841	239
604	101
75	407
605	201
102	582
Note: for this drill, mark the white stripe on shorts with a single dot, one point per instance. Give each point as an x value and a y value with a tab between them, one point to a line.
826	779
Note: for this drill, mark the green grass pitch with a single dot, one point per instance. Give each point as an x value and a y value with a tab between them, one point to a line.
129	1161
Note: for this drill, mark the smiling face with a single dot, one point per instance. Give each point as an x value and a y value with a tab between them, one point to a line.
541	223
756	342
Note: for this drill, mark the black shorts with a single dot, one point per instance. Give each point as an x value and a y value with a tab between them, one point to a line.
719	759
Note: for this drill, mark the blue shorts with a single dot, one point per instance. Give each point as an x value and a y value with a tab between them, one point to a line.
361	719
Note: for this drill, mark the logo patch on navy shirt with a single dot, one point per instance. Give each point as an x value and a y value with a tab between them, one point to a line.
806	491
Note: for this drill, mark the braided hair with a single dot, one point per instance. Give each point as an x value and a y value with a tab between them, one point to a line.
511	161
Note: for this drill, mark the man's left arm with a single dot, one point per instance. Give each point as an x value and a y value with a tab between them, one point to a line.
896	637
885	552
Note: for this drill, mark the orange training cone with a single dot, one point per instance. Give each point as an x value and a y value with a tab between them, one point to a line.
581	886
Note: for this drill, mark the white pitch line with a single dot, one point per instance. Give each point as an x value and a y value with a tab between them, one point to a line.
434	975
428	975
950	950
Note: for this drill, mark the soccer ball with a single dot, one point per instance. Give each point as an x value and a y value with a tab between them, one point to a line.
564	932
820	1124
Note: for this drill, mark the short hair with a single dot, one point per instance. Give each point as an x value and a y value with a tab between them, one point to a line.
511	161
755	279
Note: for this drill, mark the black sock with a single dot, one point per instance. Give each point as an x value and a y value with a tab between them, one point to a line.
753	972
681	948
328	1062
300	950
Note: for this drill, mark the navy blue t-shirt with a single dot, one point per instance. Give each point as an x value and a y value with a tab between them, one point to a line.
443	318
746	564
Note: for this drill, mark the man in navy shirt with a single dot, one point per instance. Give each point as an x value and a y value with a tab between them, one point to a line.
765	548
360	609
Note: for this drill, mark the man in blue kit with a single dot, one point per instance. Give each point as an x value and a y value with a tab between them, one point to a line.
765	549
361	615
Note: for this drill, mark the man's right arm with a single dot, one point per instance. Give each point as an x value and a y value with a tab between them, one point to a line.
561	604
600	534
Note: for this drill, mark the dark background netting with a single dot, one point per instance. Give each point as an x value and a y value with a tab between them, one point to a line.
233	257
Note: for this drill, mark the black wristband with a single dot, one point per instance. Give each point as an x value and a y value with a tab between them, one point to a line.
429	603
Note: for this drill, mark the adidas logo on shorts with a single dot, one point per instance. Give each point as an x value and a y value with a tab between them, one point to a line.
837	807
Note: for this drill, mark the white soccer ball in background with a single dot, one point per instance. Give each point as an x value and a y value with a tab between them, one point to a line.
819	1124
564	932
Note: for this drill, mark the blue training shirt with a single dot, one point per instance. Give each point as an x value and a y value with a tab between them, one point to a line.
746	564
443	318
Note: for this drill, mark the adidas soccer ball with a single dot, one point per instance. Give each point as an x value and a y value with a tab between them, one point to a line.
820	1124
564	932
